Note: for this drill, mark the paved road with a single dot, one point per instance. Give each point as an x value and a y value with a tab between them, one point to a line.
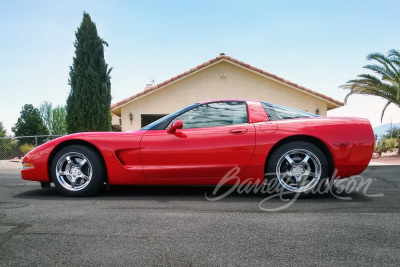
177	226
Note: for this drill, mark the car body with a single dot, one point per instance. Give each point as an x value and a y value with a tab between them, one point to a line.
200	144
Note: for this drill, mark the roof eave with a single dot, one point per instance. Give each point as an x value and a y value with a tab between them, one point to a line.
332	103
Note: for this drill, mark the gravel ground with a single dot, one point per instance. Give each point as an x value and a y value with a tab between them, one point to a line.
8	165
389	158
393	160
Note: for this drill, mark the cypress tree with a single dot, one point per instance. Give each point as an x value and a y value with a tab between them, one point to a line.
88	103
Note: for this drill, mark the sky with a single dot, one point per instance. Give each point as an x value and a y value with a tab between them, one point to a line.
317	44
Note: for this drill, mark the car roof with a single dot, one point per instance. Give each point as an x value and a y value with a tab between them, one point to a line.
225	100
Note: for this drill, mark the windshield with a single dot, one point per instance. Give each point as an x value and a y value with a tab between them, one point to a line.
154	125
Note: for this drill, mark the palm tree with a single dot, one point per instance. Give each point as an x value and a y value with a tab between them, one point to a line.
386	86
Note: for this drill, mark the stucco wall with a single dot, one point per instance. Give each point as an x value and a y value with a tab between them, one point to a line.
208	84
114	119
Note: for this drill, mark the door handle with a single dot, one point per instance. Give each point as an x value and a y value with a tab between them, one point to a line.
238	131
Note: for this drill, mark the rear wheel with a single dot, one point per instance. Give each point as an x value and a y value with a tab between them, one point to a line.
77	171
298	167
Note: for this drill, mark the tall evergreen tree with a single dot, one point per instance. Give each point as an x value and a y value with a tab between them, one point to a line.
88	103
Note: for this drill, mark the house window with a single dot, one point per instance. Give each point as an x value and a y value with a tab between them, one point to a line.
149	118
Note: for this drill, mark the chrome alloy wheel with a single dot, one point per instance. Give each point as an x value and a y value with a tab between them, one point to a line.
298	170
74	171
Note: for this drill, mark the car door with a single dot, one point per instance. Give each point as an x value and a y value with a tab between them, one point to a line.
215	138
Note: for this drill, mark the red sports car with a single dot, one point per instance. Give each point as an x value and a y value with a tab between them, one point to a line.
200	144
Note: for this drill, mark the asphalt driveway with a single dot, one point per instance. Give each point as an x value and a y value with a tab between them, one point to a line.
178	226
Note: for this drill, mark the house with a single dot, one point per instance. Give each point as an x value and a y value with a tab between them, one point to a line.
220	78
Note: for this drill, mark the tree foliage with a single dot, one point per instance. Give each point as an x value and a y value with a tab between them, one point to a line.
88	104
386	85
29	123
54	118
59	120
3	131
392	133
46	113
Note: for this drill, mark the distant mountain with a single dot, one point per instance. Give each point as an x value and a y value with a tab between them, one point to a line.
384	128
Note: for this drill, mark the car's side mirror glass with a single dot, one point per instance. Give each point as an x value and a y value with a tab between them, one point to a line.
175	125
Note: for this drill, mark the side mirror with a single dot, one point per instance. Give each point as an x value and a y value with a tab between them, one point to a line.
175	125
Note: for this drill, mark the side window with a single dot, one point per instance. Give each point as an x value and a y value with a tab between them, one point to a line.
276	112
271	112
214	114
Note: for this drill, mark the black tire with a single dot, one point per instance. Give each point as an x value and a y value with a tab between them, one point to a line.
77	171
297	167
45	184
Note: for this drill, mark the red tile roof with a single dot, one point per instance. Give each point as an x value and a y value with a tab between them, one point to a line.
233	60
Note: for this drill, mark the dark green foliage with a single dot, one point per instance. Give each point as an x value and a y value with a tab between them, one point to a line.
29	123
88	104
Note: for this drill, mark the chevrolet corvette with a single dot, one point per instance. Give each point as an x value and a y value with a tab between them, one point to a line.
201	143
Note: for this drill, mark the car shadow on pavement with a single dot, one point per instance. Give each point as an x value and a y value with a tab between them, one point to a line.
189	193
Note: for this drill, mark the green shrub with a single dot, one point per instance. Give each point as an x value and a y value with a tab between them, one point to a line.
385	145
25	148
391	143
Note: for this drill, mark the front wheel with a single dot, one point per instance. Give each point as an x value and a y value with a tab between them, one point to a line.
297	166
77	171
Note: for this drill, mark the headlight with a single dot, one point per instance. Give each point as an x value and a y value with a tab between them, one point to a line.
26	165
